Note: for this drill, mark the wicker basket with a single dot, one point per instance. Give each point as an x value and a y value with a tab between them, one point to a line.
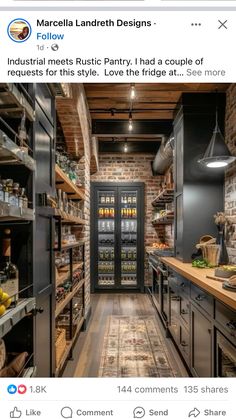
60	344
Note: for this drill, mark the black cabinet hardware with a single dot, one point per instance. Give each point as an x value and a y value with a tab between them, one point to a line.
231	325
200	297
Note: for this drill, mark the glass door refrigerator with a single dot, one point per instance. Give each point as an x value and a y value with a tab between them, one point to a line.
117	236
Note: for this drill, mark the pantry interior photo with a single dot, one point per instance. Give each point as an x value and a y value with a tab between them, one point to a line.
117	230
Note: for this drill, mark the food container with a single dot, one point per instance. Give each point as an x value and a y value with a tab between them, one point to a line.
212	254
225	271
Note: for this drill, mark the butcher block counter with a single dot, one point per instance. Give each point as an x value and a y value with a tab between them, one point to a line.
198	277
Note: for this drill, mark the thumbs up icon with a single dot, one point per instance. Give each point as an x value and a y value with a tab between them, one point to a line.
15	413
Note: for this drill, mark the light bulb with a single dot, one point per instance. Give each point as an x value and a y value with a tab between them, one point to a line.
125	148
216	164
132	92
130	125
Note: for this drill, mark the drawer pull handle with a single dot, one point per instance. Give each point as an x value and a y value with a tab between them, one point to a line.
200	298
184	311
182	284
183	343
231	325
175	298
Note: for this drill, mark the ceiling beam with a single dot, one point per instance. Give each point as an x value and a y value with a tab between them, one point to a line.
140	127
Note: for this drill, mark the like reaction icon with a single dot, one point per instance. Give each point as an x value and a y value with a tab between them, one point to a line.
15	413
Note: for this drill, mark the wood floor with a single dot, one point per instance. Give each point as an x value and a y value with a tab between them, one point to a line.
87	352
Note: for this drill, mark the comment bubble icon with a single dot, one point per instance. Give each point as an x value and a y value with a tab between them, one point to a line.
67	412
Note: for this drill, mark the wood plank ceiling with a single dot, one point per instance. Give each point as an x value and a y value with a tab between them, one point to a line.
154	103
152	100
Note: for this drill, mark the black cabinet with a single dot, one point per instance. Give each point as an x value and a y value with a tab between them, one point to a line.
203	329
179	324
225	356
194	184
117	236
201	344
44	272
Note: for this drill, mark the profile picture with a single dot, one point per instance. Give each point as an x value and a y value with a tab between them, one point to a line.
19	30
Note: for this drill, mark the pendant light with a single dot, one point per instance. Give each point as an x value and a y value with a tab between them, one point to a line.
217	154
130	127
125	146
132	92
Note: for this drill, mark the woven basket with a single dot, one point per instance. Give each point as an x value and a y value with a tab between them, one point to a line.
60	344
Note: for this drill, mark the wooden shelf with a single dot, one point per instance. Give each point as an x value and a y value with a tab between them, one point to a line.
60	306
165	196
12	213
13	101
10	153
164	220
72	245
64	183
14	315
60	278
68	218
68	348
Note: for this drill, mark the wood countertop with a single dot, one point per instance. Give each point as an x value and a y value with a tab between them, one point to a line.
198	277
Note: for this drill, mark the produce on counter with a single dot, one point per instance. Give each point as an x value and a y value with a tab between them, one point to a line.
229	267
201	263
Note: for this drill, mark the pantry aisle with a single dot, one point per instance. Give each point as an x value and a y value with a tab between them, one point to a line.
88	353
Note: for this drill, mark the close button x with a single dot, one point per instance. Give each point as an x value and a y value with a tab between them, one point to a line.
223	24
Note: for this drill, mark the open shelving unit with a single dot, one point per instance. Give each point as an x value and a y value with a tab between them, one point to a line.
166	196
167	219
64	183
17	324
63	276
62	304
11	213
11	153
68	218
15	315
67	300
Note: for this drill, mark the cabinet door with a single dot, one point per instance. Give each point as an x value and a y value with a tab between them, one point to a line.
44	235
104	237
201	344
130	246
174	314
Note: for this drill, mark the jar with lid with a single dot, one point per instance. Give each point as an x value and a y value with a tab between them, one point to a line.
14	195
9	191
23	200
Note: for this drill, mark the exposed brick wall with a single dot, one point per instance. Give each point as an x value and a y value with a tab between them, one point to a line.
132	168
230	177
86	135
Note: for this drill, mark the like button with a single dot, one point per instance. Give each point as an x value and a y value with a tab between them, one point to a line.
15	413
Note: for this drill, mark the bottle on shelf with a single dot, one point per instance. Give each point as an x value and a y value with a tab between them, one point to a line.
9	274
1	191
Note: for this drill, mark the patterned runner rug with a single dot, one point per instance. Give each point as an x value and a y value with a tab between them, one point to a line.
133	347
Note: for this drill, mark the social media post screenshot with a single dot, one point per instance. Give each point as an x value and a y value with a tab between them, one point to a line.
117	214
